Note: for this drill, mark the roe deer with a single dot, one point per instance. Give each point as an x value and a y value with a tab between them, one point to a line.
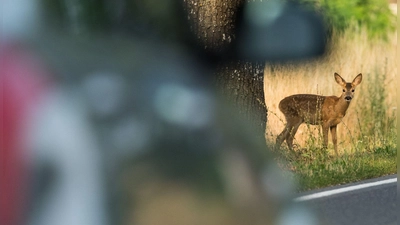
326	111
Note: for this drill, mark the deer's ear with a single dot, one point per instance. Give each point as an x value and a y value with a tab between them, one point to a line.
339	80
357	80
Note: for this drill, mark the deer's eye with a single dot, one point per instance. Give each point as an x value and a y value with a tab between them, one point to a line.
344	90
352	90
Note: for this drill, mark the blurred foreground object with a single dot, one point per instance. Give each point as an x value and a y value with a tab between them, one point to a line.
21	85
173	151
50	171
133	132
49	165
280	31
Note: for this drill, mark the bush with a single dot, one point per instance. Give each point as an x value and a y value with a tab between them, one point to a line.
375	15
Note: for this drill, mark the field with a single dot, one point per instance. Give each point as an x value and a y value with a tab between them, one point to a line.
367	136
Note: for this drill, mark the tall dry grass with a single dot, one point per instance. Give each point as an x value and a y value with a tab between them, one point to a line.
351	54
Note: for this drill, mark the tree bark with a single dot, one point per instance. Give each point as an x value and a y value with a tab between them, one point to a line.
240	82
213	21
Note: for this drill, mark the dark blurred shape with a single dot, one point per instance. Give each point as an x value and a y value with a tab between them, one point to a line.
279	31
270	30
273	30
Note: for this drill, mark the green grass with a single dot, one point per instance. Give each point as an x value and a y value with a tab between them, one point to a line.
346	169
314	168
322	170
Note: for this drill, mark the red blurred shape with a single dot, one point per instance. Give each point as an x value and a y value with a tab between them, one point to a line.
21	83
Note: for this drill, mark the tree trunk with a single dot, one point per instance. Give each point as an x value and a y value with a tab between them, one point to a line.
241	83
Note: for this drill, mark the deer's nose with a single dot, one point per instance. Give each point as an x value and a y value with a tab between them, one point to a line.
347	98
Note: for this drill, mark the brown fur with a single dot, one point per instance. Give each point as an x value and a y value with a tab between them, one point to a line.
327	111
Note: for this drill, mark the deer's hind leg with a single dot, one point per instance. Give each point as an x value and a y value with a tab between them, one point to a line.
288	132
282	136
295	126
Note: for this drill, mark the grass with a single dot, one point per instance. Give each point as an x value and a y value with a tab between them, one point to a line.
367	136
317	170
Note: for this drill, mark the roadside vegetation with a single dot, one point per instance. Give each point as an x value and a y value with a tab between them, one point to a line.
367	136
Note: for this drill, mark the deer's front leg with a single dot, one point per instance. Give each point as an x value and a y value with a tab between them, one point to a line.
325	130
334	139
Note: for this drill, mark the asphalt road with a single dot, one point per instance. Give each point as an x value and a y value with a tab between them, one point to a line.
370	202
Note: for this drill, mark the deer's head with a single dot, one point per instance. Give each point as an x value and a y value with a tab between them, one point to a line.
348	88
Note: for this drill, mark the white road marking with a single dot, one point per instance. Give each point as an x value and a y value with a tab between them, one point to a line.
342	190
